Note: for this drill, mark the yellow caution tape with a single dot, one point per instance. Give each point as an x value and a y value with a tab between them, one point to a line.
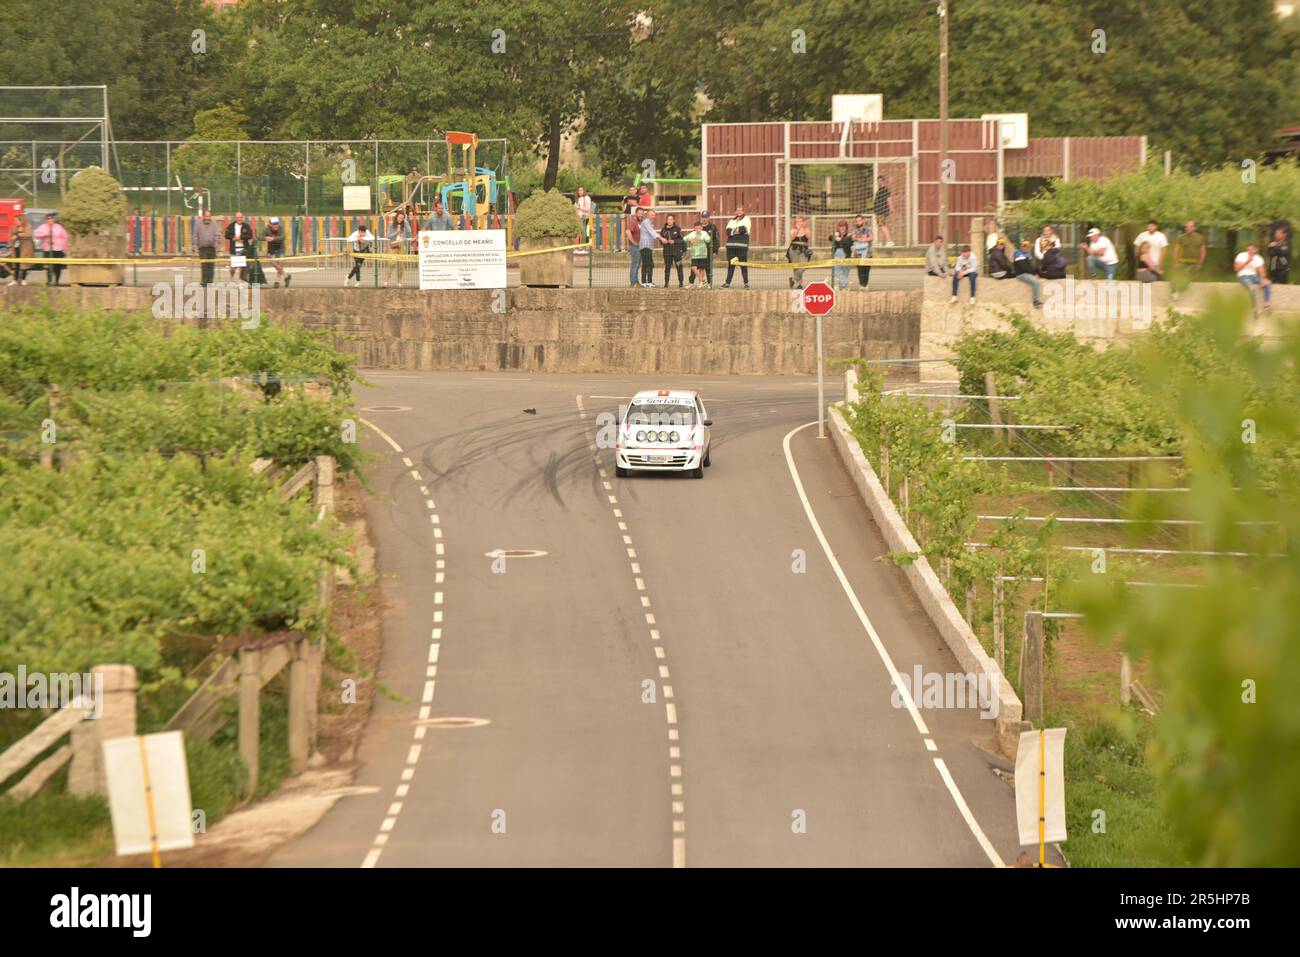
829	263
266	260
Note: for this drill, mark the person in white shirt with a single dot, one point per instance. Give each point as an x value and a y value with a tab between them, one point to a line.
1157	241
966	267
1047	239
1249	267
361	241
1102	257
586	208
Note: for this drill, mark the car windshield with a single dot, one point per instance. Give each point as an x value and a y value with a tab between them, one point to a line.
680	412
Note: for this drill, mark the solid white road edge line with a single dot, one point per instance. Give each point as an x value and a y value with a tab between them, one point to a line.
962	808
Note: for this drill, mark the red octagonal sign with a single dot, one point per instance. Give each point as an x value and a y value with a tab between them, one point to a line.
818	298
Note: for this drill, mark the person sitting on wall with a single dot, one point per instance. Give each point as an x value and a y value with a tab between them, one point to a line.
1052	264
1022	268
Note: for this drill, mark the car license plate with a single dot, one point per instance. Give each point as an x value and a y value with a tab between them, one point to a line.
658	459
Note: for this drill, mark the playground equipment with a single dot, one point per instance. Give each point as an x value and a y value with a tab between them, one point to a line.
193	197
466	189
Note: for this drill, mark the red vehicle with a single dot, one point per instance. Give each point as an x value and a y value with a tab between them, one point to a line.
10	210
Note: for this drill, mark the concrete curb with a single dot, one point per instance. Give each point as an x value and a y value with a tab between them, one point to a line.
934	598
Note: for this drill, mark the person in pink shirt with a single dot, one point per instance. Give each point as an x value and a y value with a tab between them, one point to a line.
52	242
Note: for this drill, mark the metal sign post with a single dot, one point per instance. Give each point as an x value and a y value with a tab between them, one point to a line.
819	299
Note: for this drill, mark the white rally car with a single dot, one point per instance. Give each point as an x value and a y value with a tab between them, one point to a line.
663	431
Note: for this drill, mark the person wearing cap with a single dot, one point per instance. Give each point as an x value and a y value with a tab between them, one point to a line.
1102	257
273	236
1022	268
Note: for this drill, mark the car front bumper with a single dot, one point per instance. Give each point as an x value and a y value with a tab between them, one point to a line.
659	459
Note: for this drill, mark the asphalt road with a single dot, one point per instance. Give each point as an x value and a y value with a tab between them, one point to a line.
663	686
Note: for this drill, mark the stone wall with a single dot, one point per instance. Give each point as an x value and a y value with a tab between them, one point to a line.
1096	311
575	330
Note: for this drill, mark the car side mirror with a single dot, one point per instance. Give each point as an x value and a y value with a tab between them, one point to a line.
708	422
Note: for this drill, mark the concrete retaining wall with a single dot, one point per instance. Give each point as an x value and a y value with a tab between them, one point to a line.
575	330
1096	311
934	598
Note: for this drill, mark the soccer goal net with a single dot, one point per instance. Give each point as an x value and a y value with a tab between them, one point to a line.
826	193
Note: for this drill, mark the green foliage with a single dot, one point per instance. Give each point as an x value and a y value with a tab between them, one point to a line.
93	204
43	345
546	215
156	449
1224	197
116	571
1225	654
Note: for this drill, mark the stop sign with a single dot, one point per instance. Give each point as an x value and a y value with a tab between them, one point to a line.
818	298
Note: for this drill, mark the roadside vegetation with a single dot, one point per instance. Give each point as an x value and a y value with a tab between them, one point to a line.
138	533
1175	787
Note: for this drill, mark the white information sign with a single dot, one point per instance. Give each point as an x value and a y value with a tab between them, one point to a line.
356	199
1040	785
148	792
462	259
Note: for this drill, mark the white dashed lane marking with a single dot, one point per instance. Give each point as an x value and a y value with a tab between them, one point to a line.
435	639
677	806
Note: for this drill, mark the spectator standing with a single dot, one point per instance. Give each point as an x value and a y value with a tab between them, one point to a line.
207	234
1191	251
1047	239
586	209
362	241
936	258
1102	257
673	249
715	241
698	244
632	233
21	247
882	206
273	236
644	198
52	241
1157	242
1249	267
841	248
649	237
630	203
239	237
799	250
439	220
861	233
399	240
1279	257
739	228
966	267
1022	268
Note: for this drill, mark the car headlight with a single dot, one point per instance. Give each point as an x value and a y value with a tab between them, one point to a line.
673	437
663	436
640	436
